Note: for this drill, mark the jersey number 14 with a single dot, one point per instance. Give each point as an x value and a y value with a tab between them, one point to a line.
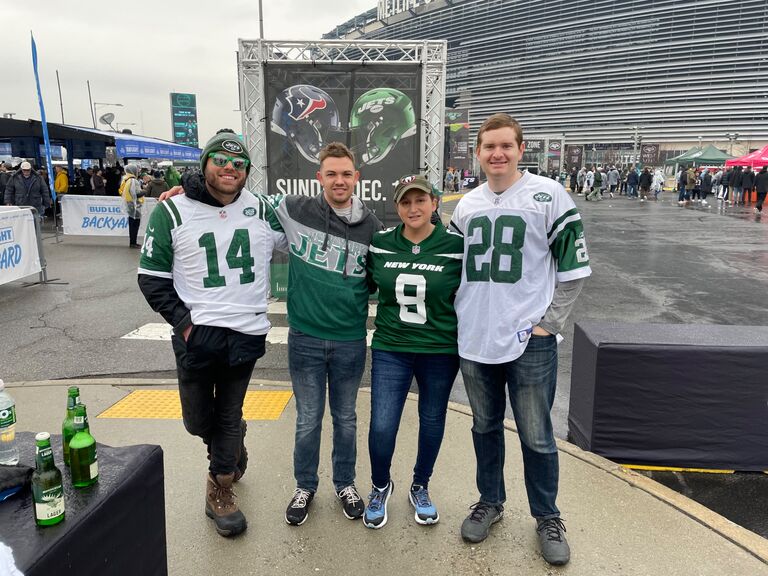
238	256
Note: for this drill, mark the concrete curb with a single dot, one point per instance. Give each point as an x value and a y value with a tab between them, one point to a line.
745	539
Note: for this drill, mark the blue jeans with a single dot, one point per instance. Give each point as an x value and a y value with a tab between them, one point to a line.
531	380
632	190
391	376
313	362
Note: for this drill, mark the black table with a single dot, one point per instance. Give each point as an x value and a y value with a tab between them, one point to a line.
116	526
683	395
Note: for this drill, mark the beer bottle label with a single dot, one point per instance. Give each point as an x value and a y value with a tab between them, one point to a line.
46	452
51	505
94	469
79	419
8	417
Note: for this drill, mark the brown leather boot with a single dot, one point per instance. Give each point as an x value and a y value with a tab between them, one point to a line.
220	505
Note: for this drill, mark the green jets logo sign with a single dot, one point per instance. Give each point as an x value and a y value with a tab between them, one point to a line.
542	197
250	211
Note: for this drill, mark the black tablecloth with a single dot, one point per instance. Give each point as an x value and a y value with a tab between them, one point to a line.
116	526
682	395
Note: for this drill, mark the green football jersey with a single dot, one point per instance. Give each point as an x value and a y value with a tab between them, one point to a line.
417	285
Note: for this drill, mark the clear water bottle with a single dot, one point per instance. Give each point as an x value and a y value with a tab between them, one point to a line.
9	450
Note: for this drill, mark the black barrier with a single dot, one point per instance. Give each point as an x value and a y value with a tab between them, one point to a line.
688	396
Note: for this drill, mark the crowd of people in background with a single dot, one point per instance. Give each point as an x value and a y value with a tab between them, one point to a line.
23	185
730	186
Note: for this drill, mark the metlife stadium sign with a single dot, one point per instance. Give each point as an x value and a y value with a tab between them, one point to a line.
184	118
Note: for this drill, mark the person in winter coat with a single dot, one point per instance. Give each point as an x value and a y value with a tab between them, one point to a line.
736	182
26	188
747	183
596	193
156	185
580	179
613	180
727	183
705	186
633	180
133	198
172	177
657	186
717	181
645	184
573	181
761	184
98	184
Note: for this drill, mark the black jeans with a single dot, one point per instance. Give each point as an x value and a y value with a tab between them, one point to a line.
212	388
133	230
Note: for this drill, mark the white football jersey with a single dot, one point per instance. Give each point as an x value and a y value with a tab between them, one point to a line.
517	245
218	258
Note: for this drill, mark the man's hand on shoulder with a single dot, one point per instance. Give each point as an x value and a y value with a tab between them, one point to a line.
175	191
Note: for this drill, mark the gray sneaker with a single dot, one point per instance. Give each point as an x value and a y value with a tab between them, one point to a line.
554	546
476	526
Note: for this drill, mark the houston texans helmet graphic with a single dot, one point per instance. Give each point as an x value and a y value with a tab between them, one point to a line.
379	119
305	115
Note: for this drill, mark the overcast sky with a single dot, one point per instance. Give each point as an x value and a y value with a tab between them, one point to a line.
136	53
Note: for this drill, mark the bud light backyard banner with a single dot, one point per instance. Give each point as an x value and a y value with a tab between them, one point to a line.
100	215
373	109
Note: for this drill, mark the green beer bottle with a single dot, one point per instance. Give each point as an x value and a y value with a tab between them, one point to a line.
83	465
68	426
47	490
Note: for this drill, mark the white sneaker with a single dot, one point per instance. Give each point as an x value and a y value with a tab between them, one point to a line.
642	199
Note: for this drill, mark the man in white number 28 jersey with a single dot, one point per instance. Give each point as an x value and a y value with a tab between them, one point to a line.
525	260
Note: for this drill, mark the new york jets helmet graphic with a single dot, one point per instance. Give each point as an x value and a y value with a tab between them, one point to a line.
380	118
305	115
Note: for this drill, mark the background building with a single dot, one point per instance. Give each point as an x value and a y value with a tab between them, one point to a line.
609	77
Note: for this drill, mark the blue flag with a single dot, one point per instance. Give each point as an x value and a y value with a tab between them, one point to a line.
47	140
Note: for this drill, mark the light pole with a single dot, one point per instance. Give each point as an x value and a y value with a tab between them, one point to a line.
732	137
99	105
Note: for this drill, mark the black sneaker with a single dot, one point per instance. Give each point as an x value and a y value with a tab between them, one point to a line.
477	525
351	503
298	509
554	546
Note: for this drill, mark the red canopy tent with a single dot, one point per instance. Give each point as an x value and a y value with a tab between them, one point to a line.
756	159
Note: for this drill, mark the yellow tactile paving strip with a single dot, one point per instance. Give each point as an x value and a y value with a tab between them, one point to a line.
165	405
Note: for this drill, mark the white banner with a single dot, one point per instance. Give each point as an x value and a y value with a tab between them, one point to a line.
19	256
100	215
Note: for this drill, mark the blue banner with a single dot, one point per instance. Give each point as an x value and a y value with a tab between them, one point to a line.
48	162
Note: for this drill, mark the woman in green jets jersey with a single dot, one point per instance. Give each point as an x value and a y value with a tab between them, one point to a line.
416	267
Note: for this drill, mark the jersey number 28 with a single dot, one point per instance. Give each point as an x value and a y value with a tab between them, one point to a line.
505	237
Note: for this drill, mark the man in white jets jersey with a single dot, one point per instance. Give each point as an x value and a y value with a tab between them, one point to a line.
205	268
525	259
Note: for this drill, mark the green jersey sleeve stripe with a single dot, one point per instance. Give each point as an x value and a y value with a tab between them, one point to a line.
149	272
377	250
567	222
454	256
269	215
559	221
172	211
